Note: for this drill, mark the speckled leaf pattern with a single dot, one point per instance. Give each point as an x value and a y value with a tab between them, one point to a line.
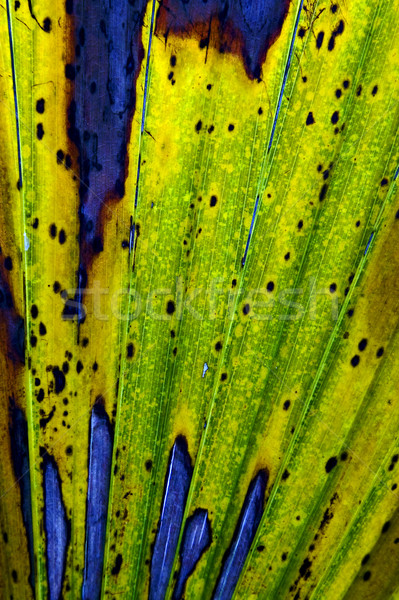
199	301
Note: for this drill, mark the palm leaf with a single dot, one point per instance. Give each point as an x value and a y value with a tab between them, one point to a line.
198	232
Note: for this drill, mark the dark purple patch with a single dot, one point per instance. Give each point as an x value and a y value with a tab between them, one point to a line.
12	323
245	28
108	36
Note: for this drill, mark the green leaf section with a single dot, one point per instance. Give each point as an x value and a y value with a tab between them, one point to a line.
202	164
14	558
299	339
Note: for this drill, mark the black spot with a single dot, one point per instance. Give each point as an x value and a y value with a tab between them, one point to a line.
319	40
68	450
209	86
385	527
355	360
33	341
148	465
173	61
350	312
213	201
8	263
39	131
246	309
300	224
334	8
357	223
333	287
95	366
79	367
60	156
130	350
362	344
34	311
285	475
61	236
331	463
47	24
365	559
337	31
65	367
304	79
118	563
301	32
97	245
374	90
323	192
260	548
359	90
260	111
40	106
384	182
234	283
35	223
310	119
270	286
59	380
223	377
42	329
53	230
170	307
56	287
287	404
367	576
14	575
68	162
335	117
338	93
287	256
344	455
231	127
119	188
345	83
198	126
218	346
70	72
380	352
210	129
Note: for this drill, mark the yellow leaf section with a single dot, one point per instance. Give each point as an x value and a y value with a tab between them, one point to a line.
14	556
199	180
324	192
90	360
325	524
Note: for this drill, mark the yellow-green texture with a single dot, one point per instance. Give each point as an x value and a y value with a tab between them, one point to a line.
298	331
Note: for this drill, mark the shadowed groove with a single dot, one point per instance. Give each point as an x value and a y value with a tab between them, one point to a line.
56	526
177	482
100	461
244	534
197	537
